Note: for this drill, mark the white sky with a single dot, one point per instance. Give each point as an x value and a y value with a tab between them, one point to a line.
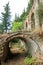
16	6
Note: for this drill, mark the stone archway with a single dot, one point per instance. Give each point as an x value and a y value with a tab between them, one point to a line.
11	52
32	22
6	46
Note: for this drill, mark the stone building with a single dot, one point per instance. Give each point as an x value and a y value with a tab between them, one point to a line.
32	20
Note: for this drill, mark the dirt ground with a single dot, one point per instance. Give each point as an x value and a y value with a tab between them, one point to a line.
15	60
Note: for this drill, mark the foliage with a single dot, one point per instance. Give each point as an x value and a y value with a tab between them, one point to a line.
15	40
1	28
29	6
21	18
24	13
16	17
27	54
6	17
16	26
29	60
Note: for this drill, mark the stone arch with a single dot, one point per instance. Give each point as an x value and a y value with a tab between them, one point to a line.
31	43
13	36
6	46
32	22
20	38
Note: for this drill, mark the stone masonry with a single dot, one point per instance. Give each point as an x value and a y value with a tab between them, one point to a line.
28	21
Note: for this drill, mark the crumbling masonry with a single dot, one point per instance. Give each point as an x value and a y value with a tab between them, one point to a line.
32	20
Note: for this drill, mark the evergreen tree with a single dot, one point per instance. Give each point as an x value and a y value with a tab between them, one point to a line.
6	17
22	17
25	13
16	17
1	28
29	6
17	24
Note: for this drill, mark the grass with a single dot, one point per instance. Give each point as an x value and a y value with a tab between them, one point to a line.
28	61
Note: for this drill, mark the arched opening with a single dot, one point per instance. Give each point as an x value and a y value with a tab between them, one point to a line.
29	44
26	25
32	22
17	46
20	46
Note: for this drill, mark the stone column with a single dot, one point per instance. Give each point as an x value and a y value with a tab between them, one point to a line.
37	25
29	26
26	24
36	21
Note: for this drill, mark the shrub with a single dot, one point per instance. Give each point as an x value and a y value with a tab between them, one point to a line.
16	26
29	61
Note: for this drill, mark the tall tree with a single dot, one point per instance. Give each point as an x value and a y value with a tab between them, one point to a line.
16	17
29	6
23	15
6	17
1	28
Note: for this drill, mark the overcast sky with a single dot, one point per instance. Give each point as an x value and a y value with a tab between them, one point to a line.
16	6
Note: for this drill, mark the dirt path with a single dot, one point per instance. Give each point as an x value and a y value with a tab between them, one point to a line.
17	60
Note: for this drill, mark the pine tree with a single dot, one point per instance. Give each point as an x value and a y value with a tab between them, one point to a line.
29	6
1	28
23	15
16	17
6	17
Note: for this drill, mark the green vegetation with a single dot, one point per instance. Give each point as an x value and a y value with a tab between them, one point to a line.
24	13
17	45
1	28
17	18
6	18
29	6
16	26
29	61
23	16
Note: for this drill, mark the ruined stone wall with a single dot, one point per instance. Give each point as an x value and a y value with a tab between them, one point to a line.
28	21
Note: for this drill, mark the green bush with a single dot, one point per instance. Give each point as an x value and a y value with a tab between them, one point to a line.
16	26
29	61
